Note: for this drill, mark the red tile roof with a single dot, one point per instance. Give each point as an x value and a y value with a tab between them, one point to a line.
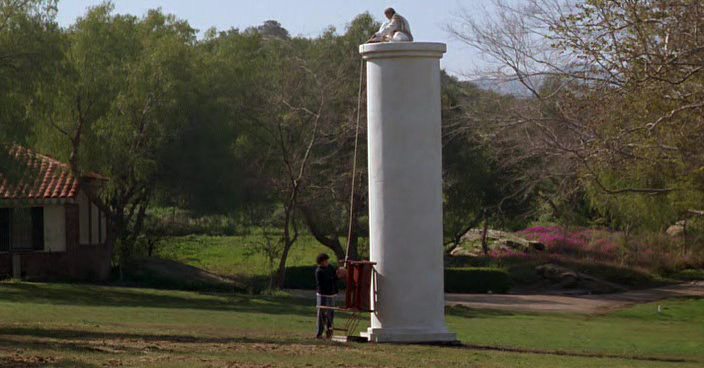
39	177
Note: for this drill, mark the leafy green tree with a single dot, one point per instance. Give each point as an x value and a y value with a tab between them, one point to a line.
478	187
29	51
207	169
270	29
304	129
116	107
326	203
647	170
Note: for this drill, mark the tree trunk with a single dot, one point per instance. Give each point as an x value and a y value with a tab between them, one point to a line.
118	231
331	242
685	249
151	243
289	239
457	237
485	230
138	223
281	273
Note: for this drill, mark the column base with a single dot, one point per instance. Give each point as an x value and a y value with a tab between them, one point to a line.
410	336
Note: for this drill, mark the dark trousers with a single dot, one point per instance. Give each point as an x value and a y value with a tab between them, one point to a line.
325	316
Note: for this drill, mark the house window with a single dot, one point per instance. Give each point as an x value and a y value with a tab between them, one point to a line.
22	229
4	229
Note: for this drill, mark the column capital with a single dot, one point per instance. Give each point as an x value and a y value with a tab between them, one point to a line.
389	50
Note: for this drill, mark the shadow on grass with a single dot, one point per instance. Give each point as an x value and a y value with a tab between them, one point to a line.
105	296
65	345
523	269
21	361
113	344
465	312
625	357
83	335
117	343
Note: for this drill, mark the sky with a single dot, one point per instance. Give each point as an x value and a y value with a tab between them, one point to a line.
428	18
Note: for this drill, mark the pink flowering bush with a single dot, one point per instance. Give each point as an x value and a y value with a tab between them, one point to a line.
509	254
597	248
636	260
593	244
657	253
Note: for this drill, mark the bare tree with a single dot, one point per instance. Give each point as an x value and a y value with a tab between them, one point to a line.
290	135
585	64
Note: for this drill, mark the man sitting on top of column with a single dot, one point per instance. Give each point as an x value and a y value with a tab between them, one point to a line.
395	30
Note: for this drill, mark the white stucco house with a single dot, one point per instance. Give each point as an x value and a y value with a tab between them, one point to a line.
49	228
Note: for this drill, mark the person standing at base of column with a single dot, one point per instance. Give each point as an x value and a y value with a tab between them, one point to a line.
326	278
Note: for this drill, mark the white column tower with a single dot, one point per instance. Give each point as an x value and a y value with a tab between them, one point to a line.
405	191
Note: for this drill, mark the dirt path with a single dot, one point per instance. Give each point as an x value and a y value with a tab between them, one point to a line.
586	304
583	304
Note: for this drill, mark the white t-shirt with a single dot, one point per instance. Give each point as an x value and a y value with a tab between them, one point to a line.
396	29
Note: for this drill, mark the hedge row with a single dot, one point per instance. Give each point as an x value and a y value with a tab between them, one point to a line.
300	277
457	280
477	280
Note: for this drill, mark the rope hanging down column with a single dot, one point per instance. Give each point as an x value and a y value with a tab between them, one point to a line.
354	163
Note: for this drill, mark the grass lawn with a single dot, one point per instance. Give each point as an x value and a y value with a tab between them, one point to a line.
59	325
237	257
234	255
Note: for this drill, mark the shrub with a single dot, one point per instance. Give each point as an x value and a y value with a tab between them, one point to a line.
689	275
178	222
142	275
593	244
457	280
477	280
300	277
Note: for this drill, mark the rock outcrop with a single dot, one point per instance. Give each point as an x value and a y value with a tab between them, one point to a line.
471	243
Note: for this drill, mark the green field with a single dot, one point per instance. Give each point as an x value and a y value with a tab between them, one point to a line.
58	325
235	256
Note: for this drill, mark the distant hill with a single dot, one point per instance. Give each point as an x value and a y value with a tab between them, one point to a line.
502	86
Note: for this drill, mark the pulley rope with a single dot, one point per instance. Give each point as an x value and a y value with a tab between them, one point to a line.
354	163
